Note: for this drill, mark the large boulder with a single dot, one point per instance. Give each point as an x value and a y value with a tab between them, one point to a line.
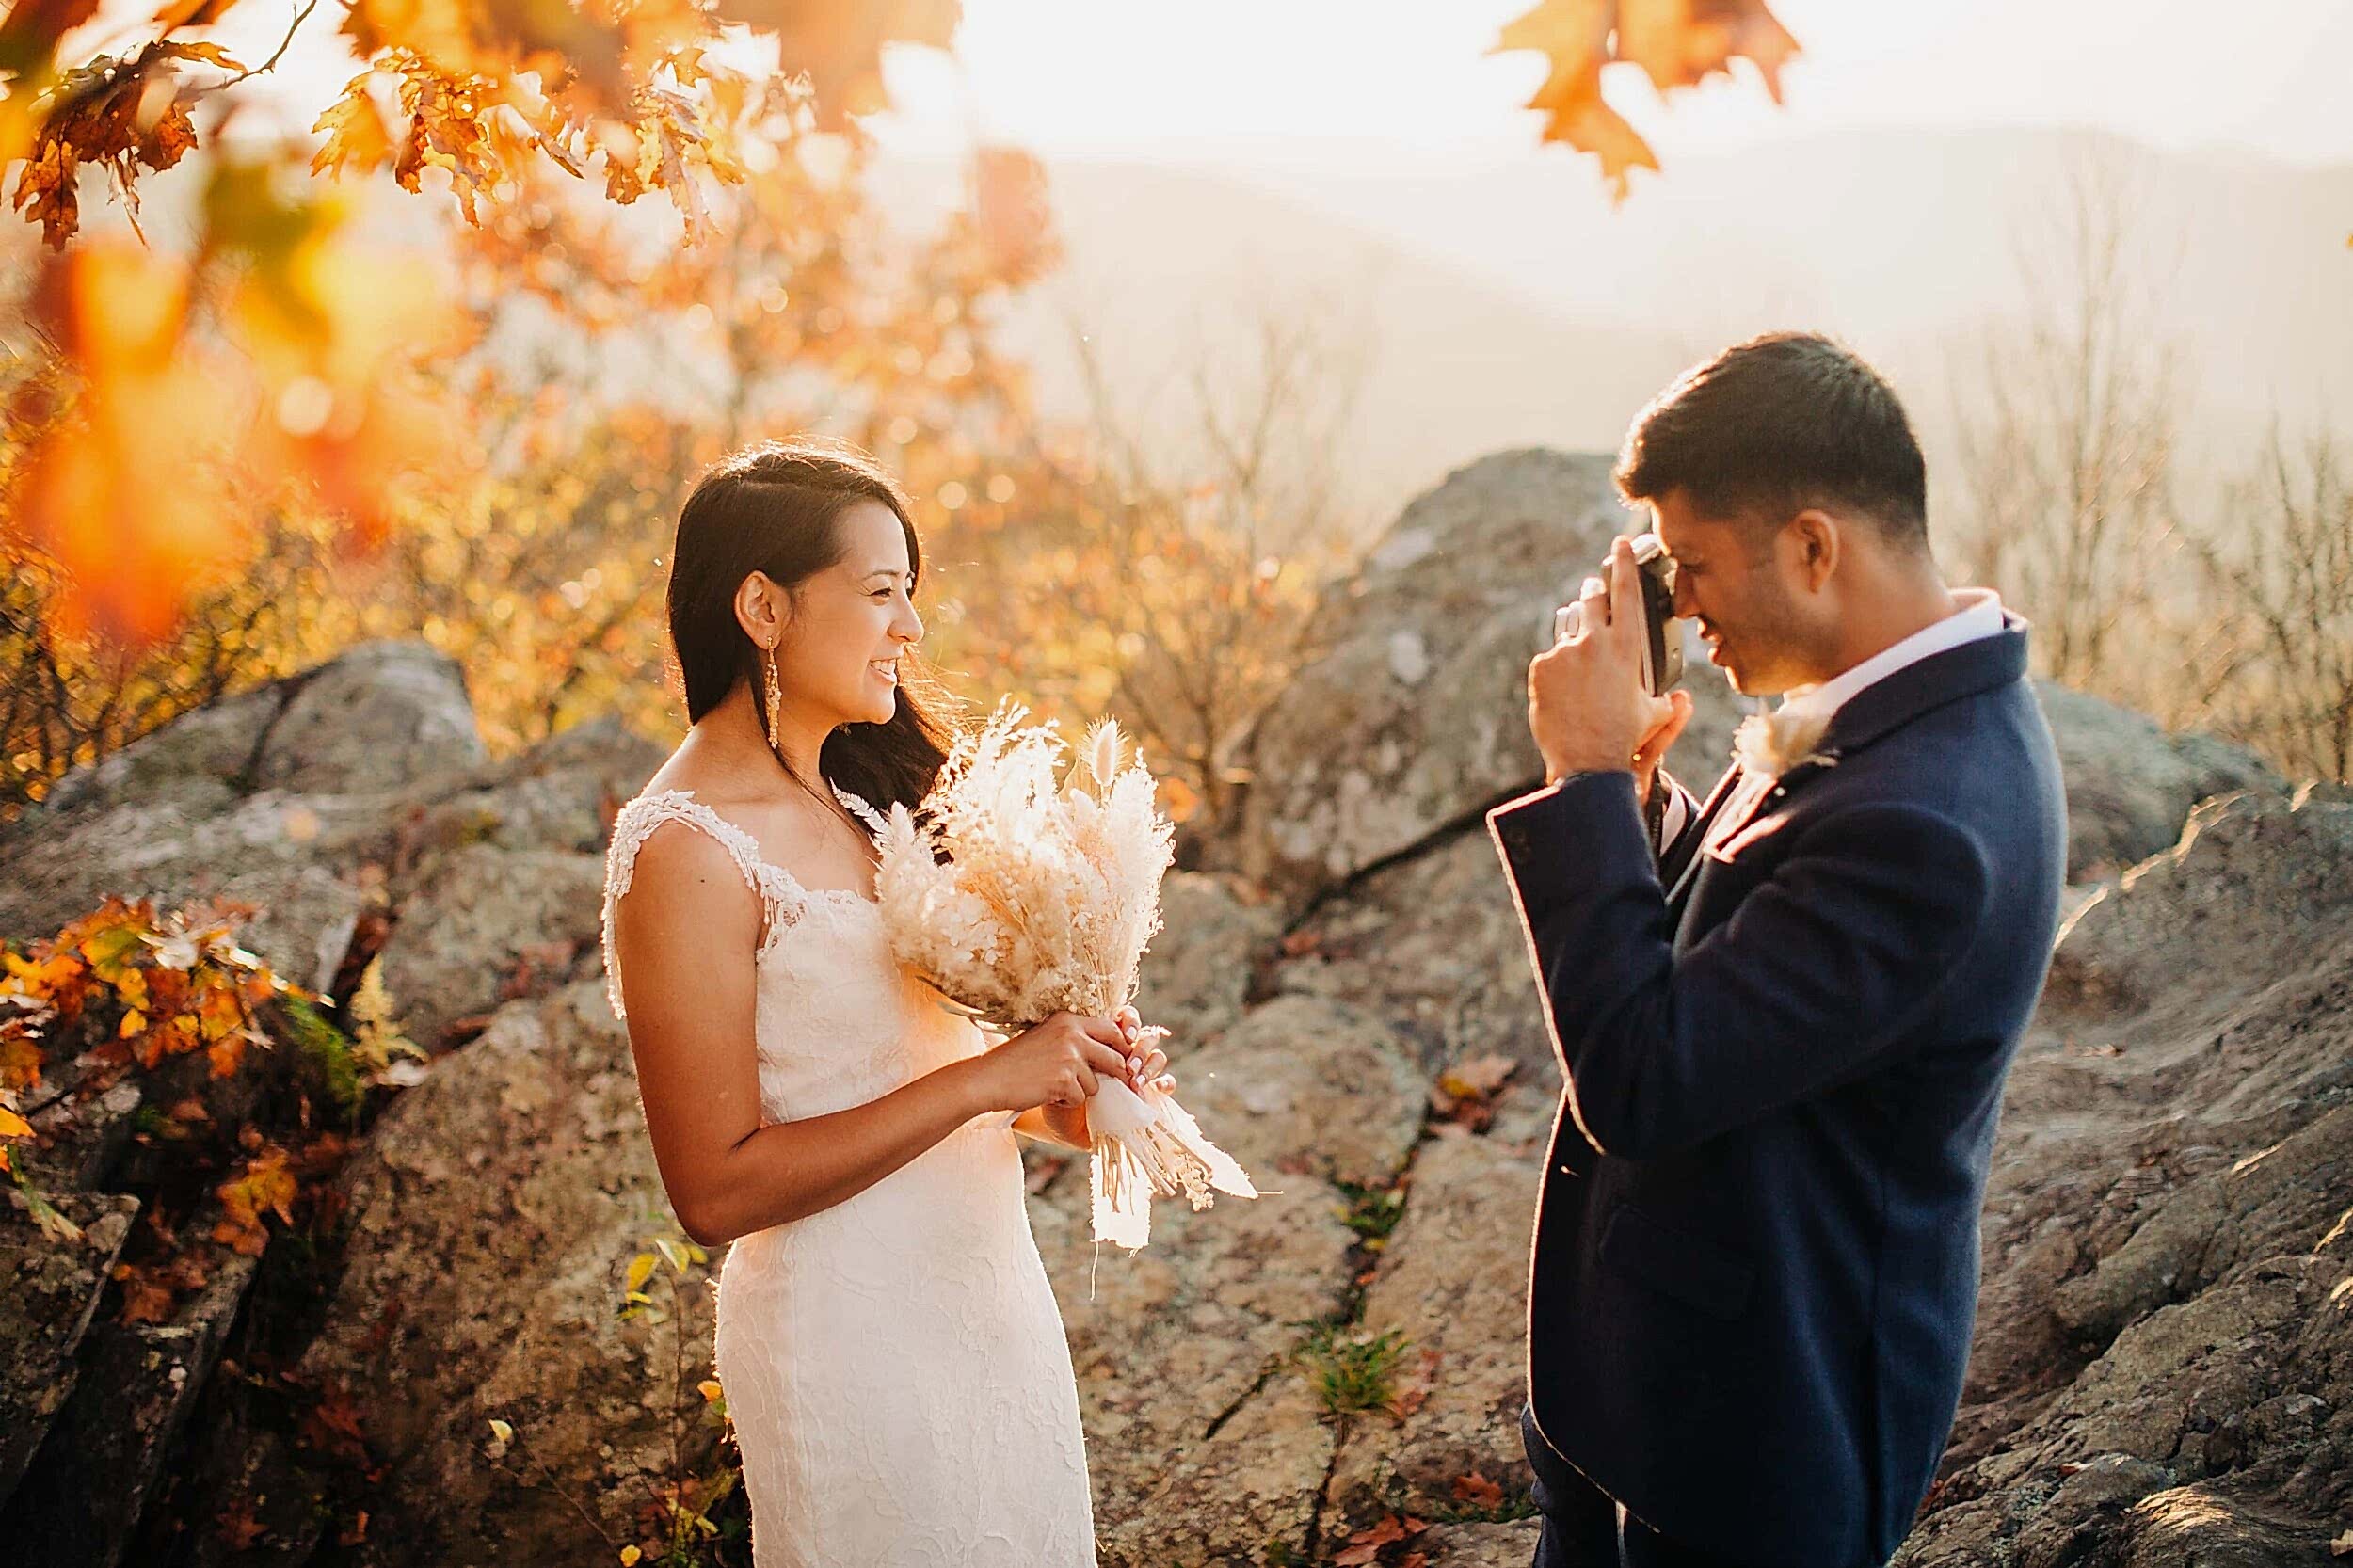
274	798
301	797
1197	974
1205	1445
492	1219
379	716
2162	1364
481	920
1410	711
561	794
1434	945
2130	784
498	883
1453	1283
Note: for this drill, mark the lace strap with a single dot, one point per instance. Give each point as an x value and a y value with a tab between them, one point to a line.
636	822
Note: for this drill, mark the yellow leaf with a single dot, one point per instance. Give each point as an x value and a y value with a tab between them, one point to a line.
12	1124
709	1389
358	140
630	1555
640	1269
1674	43
500	1430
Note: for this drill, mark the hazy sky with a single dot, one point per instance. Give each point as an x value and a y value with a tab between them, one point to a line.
1351	80
1415	75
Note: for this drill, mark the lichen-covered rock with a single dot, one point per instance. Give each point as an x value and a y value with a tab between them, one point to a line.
378	716
1432	945
282	798
1204	1445
53	1286
1506	1544
2253	888
274	798
296	859
560	794
475	914
1313	1084
492	1218
2163	1369
1411	711
1453	1282
139	1384
2130	784
196	764
1197	970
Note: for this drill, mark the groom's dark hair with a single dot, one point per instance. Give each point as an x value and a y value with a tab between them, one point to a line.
1776	425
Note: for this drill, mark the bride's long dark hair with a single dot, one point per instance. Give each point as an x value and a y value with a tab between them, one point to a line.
774	508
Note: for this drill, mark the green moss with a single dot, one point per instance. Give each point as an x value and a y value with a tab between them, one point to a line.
330	1049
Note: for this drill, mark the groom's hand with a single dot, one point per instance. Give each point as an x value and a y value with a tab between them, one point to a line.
1587	707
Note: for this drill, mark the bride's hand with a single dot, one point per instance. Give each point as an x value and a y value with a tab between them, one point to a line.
1144	1066
1057	1063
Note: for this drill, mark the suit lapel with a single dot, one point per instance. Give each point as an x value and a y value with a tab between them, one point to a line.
1701	832
1878	709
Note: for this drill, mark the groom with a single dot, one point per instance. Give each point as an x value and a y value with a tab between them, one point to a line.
1784	1014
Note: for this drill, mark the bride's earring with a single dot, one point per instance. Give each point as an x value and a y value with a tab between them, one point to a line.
776	692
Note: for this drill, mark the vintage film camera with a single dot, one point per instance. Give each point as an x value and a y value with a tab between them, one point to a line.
1662	640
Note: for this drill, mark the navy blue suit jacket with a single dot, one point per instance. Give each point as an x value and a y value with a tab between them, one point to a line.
1756	1264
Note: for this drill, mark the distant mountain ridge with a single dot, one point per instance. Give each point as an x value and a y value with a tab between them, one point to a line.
1504	305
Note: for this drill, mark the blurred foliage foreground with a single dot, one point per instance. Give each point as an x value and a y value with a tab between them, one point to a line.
481	487
225	461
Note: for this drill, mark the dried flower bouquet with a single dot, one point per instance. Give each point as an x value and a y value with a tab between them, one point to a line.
1019	897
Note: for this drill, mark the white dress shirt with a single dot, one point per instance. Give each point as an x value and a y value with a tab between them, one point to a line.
1979	616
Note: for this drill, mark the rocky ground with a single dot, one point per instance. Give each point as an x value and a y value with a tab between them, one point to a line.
2164	1371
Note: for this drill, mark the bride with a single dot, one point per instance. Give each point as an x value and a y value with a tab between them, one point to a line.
892	1358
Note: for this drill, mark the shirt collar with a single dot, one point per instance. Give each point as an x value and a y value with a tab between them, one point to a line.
1979	616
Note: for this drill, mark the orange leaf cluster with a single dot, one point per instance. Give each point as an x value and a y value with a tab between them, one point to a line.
262	1185
482	90
1372	1544
1675	42
151	1291
139	445
1466	1093
122	113
134	989
837	44
269	1178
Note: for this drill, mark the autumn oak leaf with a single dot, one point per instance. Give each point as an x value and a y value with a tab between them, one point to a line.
263	1186
1677	43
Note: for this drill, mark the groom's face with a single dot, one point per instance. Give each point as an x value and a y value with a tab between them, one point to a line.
1730	577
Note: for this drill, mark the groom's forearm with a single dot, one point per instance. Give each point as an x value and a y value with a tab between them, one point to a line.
1618	858
1827	963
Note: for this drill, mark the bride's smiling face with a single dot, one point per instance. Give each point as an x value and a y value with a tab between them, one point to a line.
837	661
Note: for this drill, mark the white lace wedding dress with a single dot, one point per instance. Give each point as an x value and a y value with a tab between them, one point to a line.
895	1366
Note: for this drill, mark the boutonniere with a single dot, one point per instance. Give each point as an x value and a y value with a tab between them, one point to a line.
1773	744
